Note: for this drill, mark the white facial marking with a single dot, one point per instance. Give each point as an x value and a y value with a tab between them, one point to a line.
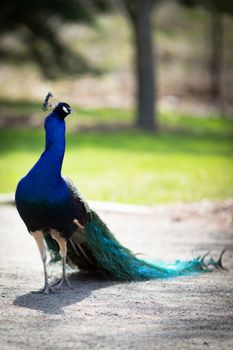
65	109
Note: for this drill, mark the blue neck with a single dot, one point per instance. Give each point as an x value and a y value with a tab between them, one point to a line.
50	163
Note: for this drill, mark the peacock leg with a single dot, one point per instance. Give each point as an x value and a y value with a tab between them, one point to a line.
39	238
63	251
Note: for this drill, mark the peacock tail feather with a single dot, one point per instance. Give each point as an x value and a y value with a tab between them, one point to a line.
114	261
119	263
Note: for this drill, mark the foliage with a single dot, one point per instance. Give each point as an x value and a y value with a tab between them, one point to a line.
215	9
37	22
221	6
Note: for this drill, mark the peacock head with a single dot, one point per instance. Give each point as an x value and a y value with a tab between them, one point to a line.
62	109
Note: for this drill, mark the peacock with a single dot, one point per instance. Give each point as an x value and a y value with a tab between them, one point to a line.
61	222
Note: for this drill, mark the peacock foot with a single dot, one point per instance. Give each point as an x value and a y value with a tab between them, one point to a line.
47	289
60	282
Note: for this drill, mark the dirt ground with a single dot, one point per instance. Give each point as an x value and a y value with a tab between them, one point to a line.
193	312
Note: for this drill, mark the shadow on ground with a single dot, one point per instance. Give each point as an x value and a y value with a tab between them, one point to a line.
83	284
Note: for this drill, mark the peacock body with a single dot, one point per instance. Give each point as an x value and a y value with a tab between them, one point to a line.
55	212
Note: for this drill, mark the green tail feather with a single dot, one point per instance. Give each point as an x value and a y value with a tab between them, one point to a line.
120	263
117	262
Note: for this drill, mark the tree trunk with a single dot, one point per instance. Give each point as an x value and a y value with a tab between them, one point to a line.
140	14
216	59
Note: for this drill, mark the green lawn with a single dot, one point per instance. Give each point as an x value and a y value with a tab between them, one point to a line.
189	159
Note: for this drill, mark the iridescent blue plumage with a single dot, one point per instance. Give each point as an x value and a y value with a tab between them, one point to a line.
43	197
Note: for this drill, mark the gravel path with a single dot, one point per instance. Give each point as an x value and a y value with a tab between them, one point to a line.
184	313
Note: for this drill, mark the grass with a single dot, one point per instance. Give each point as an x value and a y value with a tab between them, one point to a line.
188	160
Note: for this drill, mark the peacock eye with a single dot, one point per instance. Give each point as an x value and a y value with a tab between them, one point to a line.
65	109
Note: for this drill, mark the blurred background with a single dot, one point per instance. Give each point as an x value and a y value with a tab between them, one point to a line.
151	82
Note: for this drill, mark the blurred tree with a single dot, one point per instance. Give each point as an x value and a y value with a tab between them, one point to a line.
216	9
140	12
37	22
